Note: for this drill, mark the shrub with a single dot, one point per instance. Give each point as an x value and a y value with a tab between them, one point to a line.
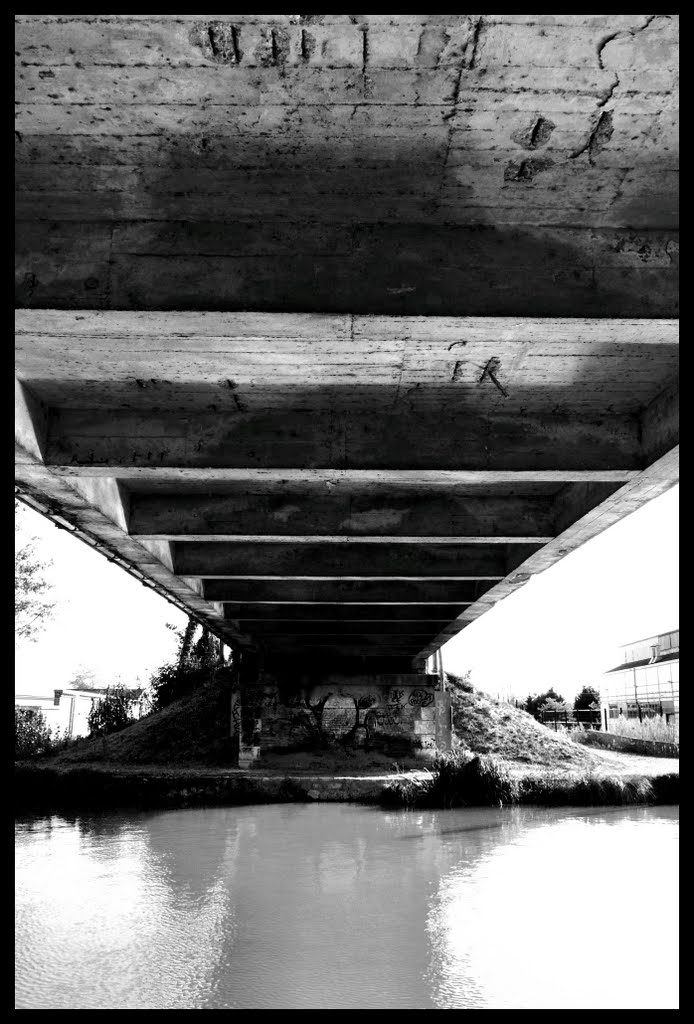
111	712
33	737
463	780
172	682
32	734
458	779
587	790
459	682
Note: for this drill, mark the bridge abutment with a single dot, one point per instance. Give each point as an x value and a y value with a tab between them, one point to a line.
399	715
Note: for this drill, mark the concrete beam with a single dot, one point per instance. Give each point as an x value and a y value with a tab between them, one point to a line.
406	641
30	425
329	651
378	514
344	592
81	441
254	615
660	423
148	479
282	627
335	561
576	500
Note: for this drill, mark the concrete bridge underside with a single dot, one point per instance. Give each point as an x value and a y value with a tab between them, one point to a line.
338	329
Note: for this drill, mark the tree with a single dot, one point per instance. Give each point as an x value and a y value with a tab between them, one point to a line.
32	605
533	704
32	734
83	678
586	699
113	711
204	649
186	641
553	704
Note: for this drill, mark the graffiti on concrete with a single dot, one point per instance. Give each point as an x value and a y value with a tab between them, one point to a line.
396	696
235	716
420	699
255	700
390	716
367	701
308	719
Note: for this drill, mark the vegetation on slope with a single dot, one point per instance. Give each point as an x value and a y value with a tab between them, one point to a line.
193	730
487	726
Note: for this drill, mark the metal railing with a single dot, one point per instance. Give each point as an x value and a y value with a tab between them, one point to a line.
588	719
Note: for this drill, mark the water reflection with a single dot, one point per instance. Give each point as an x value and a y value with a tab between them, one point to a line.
338	906
567	915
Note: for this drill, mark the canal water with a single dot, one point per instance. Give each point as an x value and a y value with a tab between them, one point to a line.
344	906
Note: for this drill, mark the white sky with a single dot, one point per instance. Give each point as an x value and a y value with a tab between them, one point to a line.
105	619
562	629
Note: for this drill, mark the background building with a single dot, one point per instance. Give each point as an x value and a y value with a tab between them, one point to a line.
646	683
67	711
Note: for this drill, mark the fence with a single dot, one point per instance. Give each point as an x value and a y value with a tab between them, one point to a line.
588	719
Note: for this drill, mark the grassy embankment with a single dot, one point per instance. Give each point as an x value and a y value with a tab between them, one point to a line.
191	731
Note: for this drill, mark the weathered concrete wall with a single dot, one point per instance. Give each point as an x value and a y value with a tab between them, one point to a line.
41	788
651	748
396	714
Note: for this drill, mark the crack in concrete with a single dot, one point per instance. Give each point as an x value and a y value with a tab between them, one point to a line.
602	131
610	92
450	116
598	138
365	61
624	32
475	41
